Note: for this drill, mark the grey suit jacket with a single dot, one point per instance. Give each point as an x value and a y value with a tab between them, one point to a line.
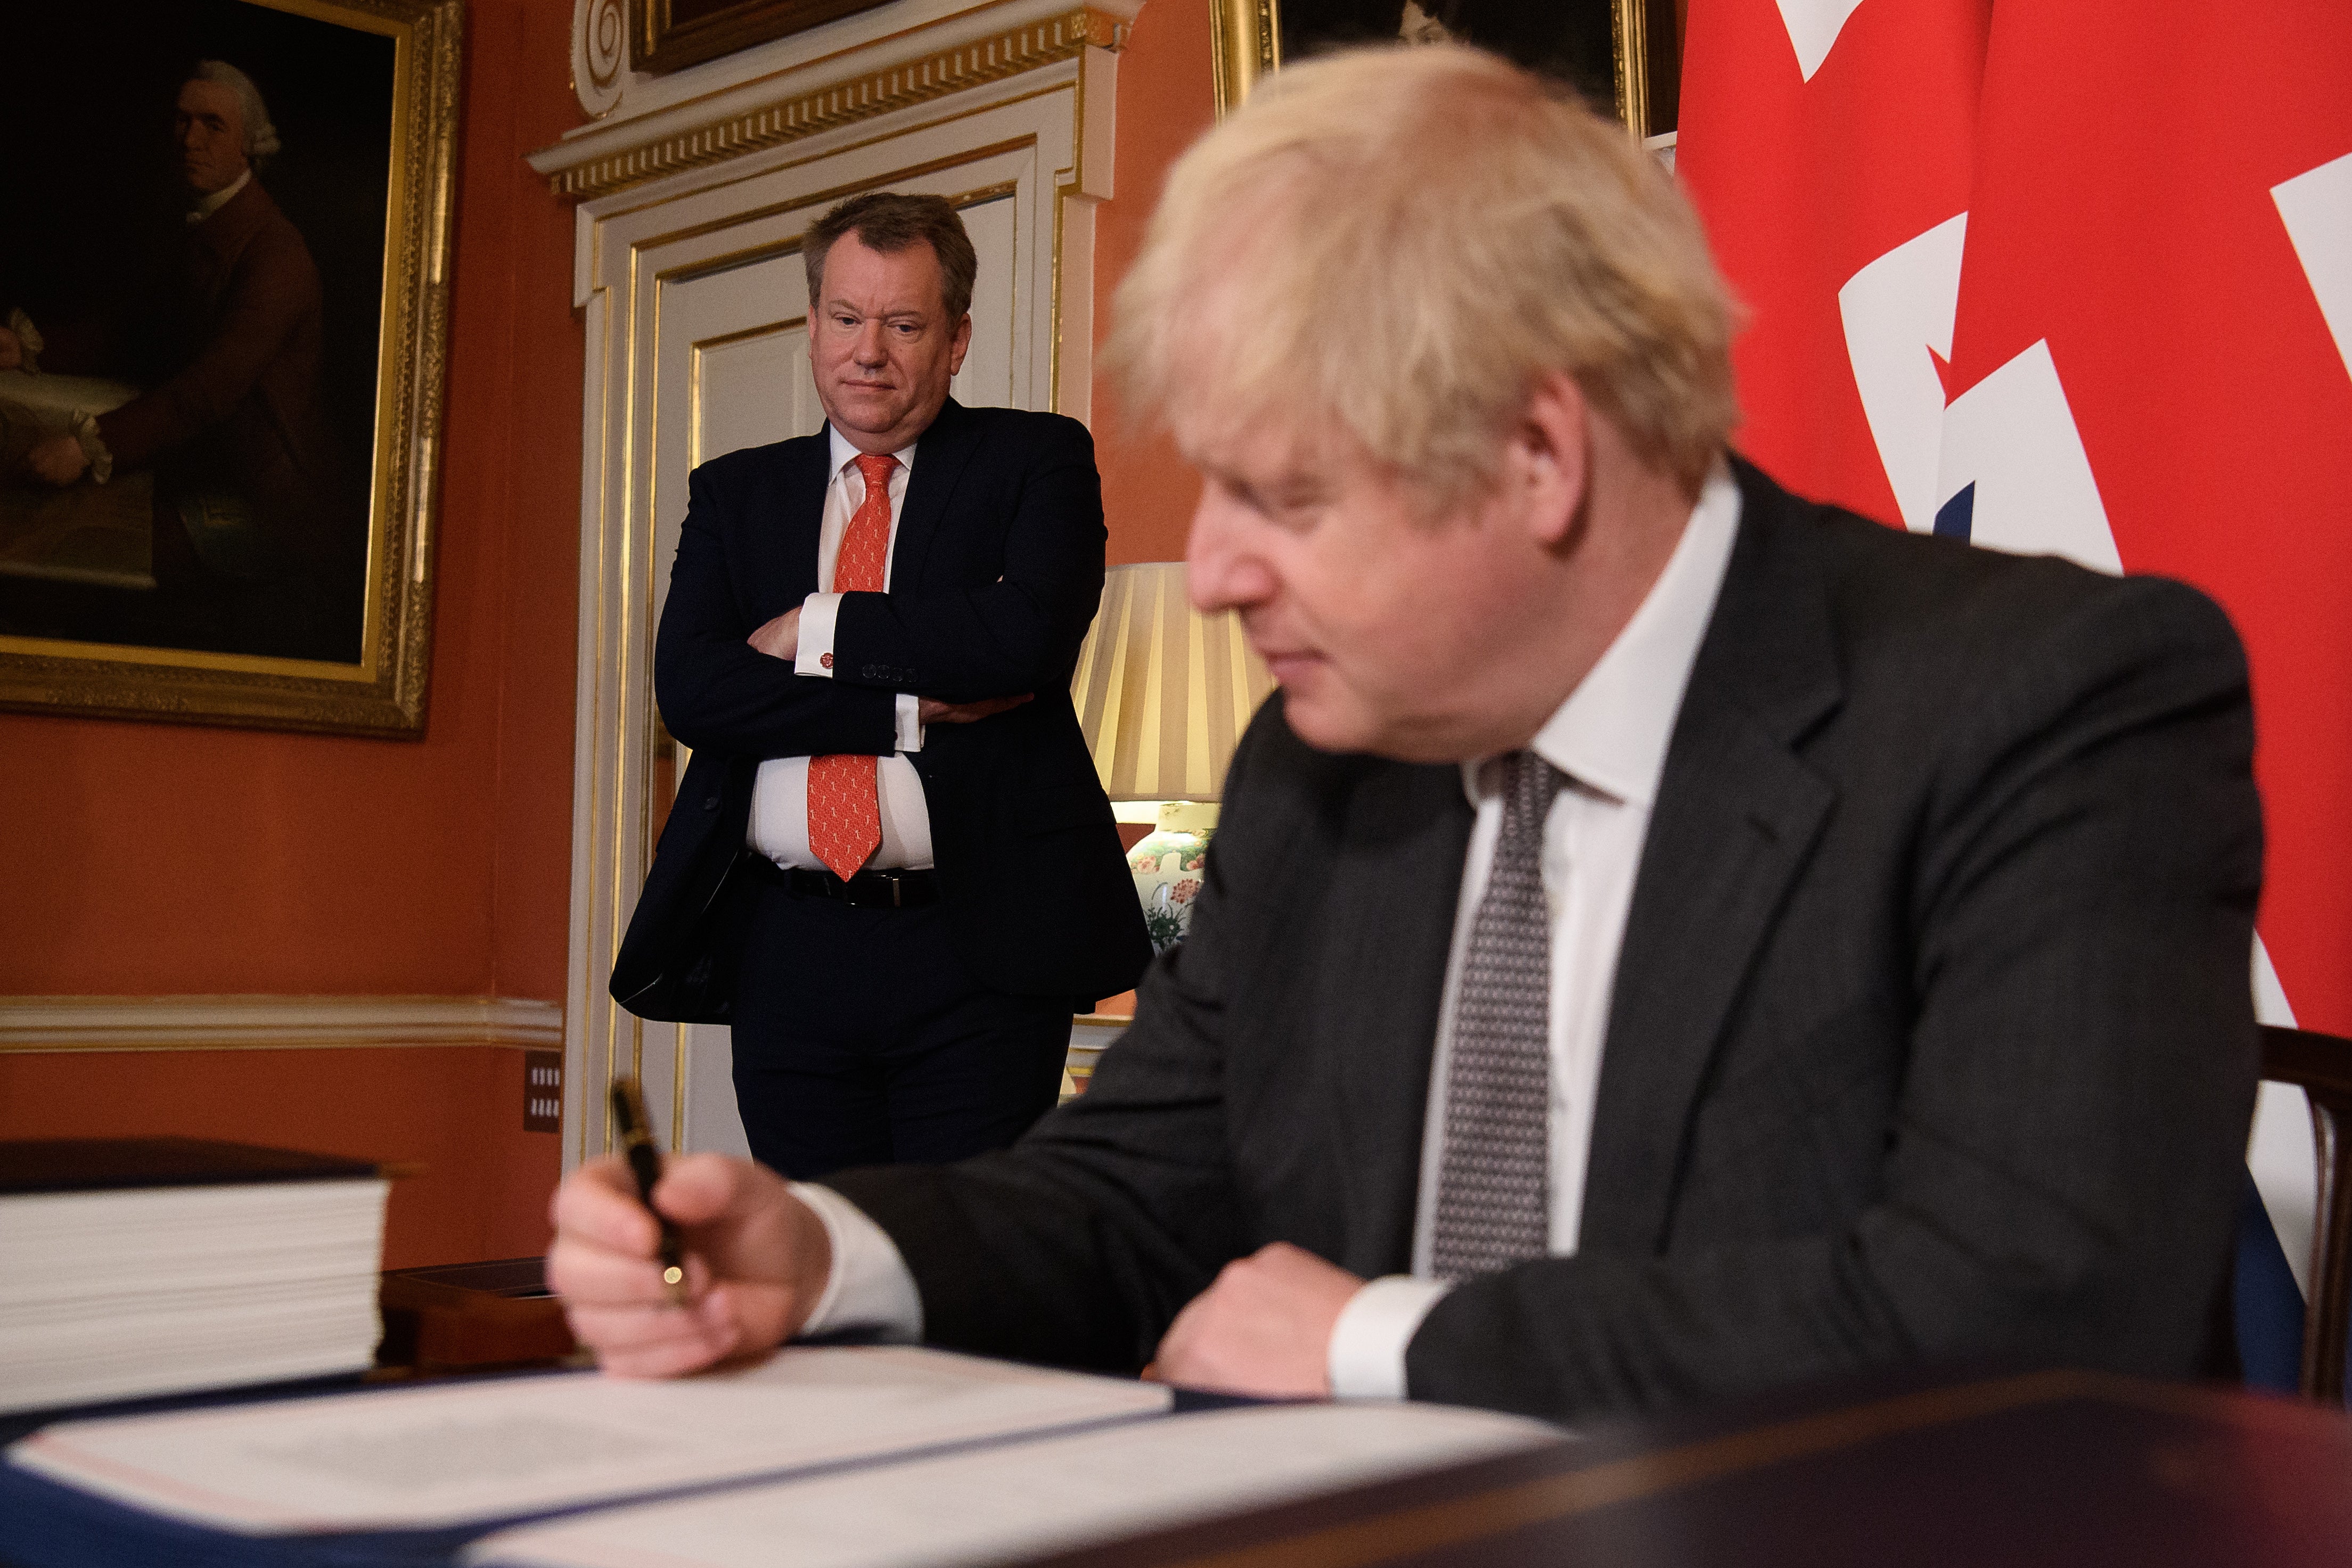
1931	1036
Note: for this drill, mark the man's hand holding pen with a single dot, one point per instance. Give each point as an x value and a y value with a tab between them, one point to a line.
756	1261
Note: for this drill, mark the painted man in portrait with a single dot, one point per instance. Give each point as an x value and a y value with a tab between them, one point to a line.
1567	43
227	344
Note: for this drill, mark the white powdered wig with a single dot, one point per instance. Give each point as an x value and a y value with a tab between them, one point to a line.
261	143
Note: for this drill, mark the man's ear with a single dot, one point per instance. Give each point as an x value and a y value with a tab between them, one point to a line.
960	344
1550	457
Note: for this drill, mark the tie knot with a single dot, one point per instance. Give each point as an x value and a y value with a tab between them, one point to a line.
1528	785
876	466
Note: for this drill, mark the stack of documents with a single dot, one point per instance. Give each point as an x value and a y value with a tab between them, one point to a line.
876	1456
146	1266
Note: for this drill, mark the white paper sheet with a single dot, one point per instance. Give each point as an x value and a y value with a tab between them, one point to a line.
1011	1501
63	396
447	1454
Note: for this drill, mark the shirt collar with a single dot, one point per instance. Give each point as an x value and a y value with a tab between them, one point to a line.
1610	734
207	206
844	453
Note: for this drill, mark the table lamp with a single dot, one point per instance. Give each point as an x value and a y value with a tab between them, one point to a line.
1163	694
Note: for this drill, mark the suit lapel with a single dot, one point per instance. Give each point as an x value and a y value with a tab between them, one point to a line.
940	454
803	469
1737	818
1399	876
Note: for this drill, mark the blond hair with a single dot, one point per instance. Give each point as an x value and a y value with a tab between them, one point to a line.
1403	243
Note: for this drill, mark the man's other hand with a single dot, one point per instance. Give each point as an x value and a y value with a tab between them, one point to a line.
1263	1328
12	350
57	460
756	1259
779	638
930	710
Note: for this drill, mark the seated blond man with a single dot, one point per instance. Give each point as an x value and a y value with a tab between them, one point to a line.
1666	939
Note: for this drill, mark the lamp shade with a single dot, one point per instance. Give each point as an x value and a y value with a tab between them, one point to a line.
1163	691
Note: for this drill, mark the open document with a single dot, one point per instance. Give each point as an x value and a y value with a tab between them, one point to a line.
454	1454
1008	1502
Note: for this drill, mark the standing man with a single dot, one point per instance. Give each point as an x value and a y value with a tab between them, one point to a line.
891	867
1668	939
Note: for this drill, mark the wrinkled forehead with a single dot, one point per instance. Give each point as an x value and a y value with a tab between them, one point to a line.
1284	458
1225	431
907	279
198	96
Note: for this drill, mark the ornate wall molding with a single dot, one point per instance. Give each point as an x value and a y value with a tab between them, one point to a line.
914	67
275	1023
600	53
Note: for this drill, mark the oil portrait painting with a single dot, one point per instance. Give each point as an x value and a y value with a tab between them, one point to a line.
1621	54
214	309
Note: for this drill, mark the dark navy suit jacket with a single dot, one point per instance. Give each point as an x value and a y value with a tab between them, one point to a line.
1930	1038
997	572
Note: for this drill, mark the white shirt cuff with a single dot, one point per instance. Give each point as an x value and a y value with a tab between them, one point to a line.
869	1289
818	613
1366	1360
911	722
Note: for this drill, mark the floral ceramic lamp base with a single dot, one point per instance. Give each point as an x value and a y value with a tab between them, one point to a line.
1167	866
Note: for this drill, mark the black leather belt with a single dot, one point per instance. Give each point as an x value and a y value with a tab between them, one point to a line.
867	890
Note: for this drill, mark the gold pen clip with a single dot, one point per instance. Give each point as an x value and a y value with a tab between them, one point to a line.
630	1123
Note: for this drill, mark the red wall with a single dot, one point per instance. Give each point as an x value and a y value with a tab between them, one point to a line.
1167	97
142	859
470	1185
153	858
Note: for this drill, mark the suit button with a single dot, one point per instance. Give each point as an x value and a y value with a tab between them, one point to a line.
710	803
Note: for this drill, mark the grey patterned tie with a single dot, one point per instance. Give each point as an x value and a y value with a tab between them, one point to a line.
1494	1181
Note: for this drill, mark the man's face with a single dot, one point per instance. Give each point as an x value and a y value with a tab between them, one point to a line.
1390	631
883	348
210	130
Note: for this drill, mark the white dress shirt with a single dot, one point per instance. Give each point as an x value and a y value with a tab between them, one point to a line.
207	206
1609	738
778	826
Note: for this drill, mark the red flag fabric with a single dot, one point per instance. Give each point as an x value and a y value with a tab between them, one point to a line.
2127	227
2161	225
1820	137
2077	275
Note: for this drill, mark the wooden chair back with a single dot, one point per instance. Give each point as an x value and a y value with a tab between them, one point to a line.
2321	1066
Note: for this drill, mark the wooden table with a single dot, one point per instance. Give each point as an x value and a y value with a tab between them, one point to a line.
2066	1469
2070	1470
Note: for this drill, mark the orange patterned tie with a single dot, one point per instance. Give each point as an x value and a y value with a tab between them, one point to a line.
844	818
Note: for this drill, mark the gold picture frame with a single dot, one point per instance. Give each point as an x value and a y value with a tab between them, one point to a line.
670	34
364	96
1644	46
